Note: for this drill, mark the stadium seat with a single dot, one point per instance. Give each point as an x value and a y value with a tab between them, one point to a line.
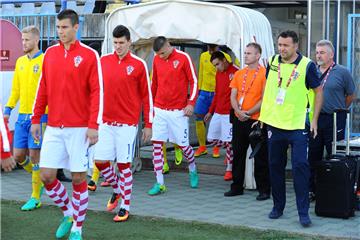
72	5
89	7
8	9
48	8
27	8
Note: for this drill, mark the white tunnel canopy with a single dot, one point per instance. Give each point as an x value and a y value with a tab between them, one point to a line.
186	20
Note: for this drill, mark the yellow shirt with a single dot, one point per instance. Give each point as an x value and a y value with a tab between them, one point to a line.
25	82
207	71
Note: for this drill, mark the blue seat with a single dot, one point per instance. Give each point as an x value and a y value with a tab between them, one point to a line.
48	8
8	9
71	5
132	1
89	7
27	8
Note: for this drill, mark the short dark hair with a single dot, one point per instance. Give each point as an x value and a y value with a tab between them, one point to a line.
289	34
159	42
70	14
121	31
217	55
256	46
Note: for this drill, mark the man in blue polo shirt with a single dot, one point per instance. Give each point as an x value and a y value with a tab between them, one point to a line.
339	92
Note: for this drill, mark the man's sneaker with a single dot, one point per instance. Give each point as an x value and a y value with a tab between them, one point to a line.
64	227
228	176
216	152
194	179
275	214
200	151
166	168
157	189
113	202
105	184
122	215
305	221
31	204
92	186
76	235
178	156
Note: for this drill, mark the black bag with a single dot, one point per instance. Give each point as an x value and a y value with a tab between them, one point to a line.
336	181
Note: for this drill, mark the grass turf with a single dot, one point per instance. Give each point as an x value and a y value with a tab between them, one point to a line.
42	223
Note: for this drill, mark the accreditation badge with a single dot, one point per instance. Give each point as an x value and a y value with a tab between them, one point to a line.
241	100
280	98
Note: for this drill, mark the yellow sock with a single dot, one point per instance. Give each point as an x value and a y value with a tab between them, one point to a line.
201	132
164	153
26	164
36	182
96	174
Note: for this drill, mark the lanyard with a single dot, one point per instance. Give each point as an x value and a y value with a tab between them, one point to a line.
290	78
327	74
243	92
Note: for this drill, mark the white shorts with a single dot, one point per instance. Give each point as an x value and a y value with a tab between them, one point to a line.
65	148
116	142
170	125
220	128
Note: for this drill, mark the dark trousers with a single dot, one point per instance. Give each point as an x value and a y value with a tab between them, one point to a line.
240	145
278	142
324	140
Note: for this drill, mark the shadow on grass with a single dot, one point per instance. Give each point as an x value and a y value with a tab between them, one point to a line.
42	223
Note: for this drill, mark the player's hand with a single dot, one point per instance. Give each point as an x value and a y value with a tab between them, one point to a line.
8	164
92	136
189	110
207	117
313	128
35	131
6	117
146	135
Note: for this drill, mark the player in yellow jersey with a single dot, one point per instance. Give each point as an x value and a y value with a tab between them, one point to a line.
206	84
24	86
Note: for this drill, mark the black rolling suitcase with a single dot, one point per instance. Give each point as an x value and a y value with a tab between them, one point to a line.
336	181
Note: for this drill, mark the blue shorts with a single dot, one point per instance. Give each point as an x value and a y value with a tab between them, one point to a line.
22	135
203	102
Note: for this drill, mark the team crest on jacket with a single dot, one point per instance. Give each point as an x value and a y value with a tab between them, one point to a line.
231	76
77	60
36	68
129	69
176	63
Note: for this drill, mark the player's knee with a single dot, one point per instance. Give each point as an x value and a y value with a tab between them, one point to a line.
19	157
47	177
78	178
34	156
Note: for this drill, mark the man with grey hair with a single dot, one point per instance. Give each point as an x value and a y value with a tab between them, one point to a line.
339	92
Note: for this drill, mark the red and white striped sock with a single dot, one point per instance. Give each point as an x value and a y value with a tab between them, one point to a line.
188	152
80	199
158	161
57	192
126	180
229	156
108	172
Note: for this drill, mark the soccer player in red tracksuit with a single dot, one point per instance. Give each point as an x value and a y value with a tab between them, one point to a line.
71	87
127	90
173	72
7	162
220	128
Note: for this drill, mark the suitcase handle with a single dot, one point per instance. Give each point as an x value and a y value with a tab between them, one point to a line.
347	127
